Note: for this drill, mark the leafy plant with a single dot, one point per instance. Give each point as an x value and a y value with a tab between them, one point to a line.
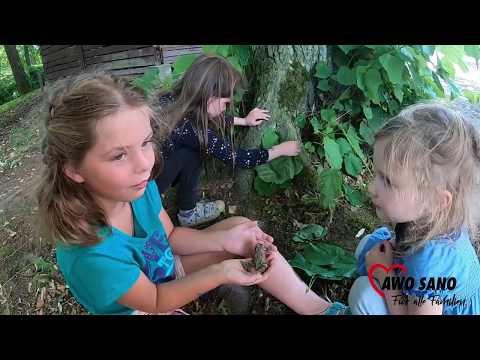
361	86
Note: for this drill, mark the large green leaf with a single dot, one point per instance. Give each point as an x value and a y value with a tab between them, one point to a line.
367	133
353	196
346	76
332	153
345	147
367	110
300	120
323	71
235	63
330	187
264	188
393	66
361	71
309	233
329	116
317	127
353	164
182	64
270	138
353	140
372	82
323	85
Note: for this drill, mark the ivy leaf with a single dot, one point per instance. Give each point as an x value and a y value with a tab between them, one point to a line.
323	70
393	66
361	71
353	164
346	76
332	153
330	187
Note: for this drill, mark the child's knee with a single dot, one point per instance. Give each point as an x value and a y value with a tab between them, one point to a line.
364	300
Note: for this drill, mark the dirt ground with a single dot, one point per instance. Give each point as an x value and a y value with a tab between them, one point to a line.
30	282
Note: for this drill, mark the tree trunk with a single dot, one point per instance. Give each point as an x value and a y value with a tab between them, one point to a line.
282	84
28	59
17	69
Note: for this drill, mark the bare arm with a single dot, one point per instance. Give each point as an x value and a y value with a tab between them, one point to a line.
148	297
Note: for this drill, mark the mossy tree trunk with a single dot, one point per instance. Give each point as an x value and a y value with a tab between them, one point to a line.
282	83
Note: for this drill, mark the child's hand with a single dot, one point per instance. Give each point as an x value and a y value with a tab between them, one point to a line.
256	116
288	148
381	254
234	273
241	239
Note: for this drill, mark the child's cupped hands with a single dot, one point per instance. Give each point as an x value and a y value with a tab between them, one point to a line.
241	239
234	273
257	116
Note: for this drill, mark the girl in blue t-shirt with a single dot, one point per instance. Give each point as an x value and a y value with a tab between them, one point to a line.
427	165
116	246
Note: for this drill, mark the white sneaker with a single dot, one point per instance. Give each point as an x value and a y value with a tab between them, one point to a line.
204	211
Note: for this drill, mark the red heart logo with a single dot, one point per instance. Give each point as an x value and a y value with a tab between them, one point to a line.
372	269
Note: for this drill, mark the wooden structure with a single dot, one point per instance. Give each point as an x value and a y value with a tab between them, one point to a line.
124	60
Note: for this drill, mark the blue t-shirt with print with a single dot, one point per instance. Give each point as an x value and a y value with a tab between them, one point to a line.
101	274
440	259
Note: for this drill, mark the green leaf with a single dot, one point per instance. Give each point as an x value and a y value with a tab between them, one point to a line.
346	76
346	48
317	127
270	138
329	116
353	164
308	146
367	110
263	188
323	85
372	82
393	66
266	173
361	71
210	49
332	153
428	49
377	120
354	197
233	60
345	147
353	140
300	121
309	233
453	54
398	92
182	64
323	70
284	168
330	186
367	133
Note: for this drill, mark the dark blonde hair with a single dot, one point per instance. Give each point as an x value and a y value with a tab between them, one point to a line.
67	211
441	150
208	76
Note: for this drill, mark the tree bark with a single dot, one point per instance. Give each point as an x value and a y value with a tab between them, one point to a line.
28	59
17	69
282	82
